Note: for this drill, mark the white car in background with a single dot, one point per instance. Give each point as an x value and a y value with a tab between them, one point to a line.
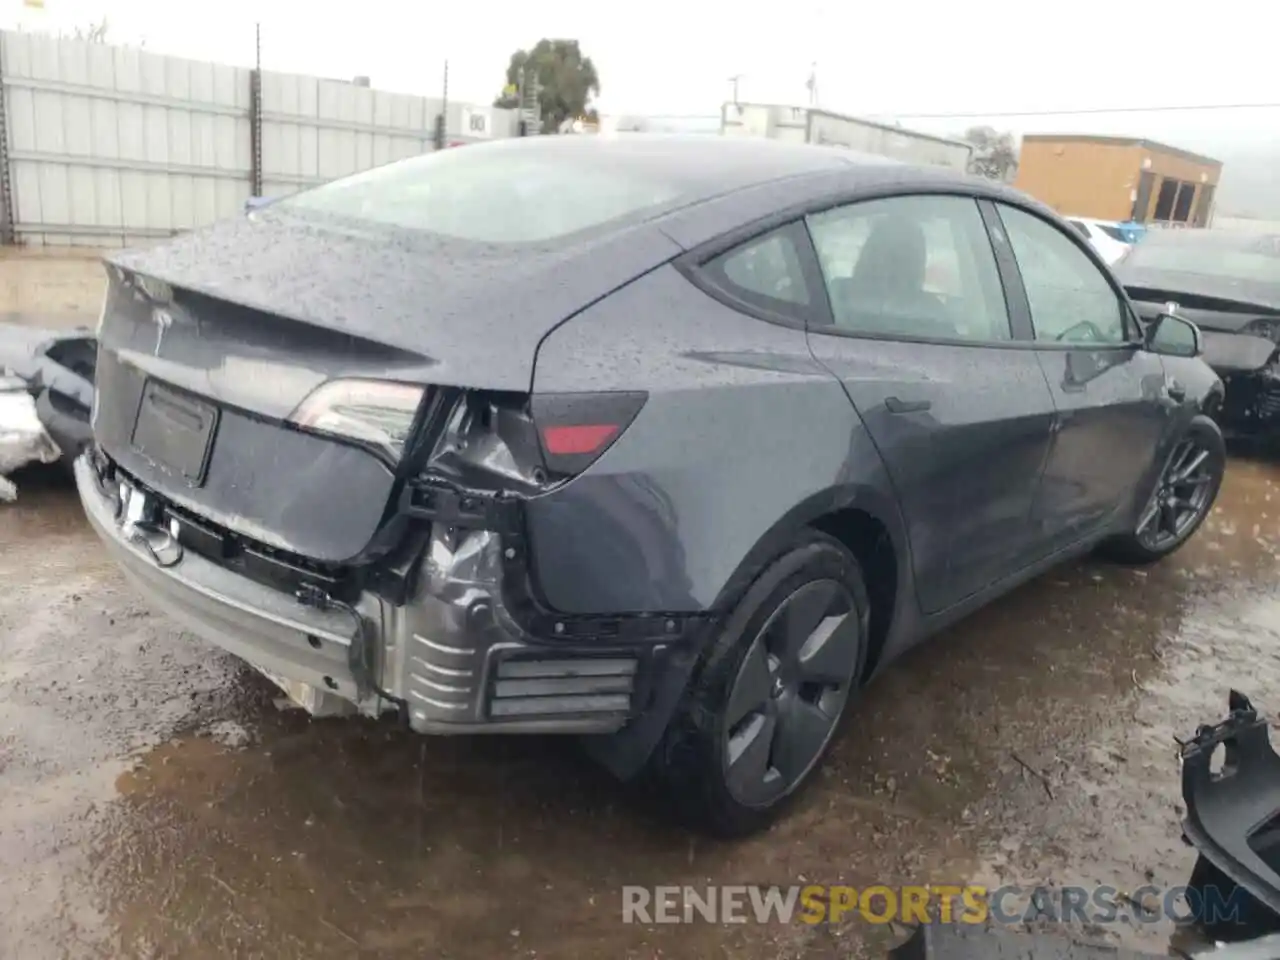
1104	235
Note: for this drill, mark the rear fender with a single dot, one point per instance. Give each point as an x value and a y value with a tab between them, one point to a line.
625	753
742	431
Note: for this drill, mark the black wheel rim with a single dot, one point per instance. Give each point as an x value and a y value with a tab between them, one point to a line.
790	692
1182	496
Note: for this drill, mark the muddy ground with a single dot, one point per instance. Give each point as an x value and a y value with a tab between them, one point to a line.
155	803
51	286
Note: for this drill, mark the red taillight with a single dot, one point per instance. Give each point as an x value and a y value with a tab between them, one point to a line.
586	438
576	428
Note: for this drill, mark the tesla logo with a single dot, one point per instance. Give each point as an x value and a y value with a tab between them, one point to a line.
163	320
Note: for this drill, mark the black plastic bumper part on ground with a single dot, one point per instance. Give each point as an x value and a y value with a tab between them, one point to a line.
1233	820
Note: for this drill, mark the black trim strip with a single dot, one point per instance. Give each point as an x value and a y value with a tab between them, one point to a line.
817	316
1015	292
708	276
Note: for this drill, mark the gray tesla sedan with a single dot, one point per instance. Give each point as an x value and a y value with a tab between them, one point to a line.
669	443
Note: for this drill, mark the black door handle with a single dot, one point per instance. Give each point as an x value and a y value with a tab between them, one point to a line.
894	405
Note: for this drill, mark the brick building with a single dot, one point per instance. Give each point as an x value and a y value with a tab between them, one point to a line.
1118	178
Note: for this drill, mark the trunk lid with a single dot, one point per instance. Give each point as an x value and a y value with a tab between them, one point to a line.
473	312
247	318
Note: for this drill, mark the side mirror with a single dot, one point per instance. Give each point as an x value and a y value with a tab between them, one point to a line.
1172	336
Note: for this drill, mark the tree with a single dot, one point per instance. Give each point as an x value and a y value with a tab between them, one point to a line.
564	78
994	154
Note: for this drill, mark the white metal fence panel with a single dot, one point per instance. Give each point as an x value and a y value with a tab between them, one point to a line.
905	145
314	130
113	145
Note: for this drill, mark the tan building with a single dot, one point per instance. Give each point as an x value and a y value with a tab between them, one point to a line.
1118	178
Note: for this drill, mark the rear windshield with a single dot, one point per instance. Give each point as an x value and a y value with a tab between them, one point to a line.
1113	232
491	194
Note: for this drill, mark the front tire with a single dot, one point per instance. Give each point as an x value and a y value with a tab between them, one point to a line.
1184	494
762	709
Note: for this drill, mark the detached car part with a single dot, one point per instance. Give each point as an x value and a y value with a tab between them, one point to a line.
23	439
1233	820
56	372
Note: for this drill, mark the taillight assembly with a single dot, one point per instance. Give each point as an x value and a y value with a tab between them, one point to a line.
575	429
374	412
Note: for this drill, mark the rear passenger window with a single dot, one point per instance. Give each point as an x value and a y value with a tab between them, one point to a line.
1070	298
764	271
916	267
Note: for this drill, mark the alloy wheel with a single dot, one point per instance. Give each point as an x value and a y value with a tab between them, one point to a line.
790	691
1181	498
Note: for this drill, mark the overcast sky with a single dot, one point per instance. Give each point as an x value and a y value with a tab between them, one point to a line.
902	58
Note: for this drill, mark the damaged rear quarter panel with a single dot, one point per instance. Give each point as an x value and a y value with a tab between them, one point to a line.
741	429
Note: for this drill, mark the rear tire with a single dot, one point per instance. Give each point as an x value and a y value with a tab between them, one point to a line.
1192	475
764	705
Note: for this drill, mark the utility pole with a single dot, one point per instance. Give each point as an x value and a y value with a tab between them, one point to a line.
529	103
734	80
255	115
442	122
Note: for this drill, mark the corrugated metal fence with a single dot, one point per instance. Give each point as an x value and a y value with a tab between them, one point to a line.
111	146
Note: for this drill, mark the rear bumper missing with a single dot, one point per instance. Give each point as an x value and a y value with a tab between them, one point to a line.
452	652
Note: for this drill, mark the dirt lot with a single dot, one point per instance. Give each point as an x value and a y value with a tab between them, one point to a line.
50	286
155	803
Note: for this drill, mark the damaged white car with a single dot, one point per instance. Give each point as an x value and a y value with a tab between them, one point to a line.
46	391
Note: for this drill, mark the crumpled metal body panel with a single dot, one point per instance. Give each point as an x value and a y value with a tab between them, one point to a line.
53	369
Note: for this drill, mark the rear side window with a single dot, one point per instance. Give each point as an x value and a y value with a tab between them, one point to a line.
1112	232
1080	228
1070	298
915	267
764	272
493	194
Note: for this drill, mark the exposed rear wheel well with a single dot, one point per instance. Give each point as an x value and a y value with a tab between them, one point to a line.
869	541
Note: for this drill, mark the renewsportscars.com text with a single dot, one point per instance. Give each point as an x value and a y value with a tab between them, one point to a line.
911	904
